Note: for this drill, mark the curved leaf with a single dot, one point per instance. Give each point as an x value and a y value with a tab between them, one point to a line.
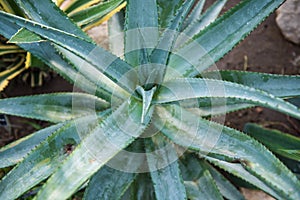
203	188
192	167
197	179
104	61
46	12
108	183
141	189
116	132
205	19
194	15
167	181
100	84
280	143
221	36
230	145
45	158
41	12
167	40
278	85
239	171
187	88
16	151
160	55
167	11
54	107
207	106
51	58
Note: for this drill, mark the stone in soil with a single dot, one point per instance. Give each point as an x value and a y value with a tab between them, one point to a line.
288	20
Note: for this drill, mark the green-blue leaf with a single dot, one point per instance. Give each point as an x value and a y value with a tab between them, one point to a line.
56	107
108	183
164	169
189	88
227	144
42	161
280	143
221	36
276	84
115	133
16	151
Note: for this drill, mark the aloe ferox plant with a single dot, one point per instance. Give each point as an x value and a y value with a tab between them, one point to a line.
138	125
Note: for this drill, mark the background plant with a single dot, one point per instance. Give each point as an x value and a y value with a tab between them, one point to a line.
127	98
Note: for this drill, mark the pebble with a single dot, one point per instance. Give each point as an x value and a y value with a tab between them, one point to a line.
288	20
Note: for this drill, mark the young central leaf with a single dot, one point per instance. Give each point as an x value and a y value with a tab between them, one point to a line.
147	96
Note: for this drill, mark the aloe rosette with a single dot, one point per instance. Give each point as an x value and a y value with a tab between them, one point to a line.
153	101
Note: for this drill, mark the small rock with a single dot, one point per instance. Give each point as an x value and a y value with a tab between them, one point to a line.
259	109
287	19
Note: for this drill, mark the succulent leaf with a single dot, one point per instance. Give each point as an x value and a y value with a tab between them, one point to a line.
141	25
160	54
52	58
167	11
280	143
276	84
192	167
46	10
203	188
187	88
53	107
108	183
239	171
47	13
194	14
45	158
142	189
116	132
16	151
221	36
230	145
160	153
205	19
107	63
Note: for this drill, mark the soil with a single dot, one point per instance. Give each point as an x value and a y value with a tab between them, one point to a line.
265	50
